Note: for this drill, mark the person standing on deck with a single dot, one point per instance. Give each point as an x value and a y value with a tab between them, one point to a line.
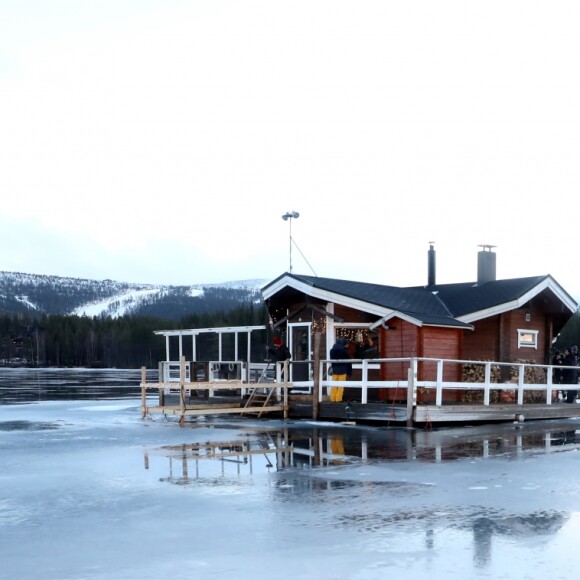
570	375
279	353
340	370
557	378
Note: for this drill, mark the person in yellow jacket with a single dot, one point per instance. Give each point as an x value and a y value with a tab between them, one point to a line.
341	371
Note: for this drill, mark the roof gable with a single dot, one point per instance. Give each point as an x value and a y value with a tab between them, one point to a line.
476	302
439	305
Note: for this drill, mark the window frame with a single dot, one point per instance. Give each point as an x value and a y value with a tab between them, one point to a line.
532	342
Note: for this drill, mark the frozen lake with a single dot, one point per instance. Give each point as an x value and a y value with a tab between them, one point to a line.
90	491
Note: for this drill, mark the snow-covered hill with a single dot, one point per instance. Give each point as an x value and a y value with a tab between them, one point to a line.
40	294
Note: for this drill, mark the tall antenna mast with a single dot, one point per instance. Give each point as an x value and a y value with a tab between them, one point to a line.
289	216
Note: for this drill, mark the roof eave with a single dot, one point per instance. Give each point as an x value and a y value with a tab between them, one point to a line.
417	322
324	295
547	284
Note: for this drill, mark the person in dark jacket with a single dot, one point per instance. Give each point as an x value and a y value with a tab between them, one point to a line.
340	370
557	362
570	375
557	376
279	353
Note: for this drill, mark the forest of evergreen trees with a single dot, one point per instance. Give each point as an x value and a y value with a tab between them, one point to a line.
124	342
129	341
570	334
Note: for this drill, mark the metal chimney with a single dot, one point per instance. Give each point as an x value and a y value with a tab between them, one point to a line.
431	265
485	264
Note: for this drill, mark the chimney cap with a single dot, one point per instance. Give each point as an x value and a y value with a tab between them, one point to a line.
487	247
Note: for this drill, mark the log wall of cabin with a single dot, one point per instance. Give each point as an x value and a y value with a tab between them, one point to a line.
440	343
404	339
400	339
496	337
538	321
483	342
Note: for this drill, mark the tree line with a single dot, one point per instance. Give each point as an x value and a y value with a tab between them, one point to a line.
129	341
123	342
570	334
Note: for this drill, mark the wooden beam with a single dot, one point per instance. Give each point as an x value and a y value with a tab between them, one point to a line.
316	372
290	314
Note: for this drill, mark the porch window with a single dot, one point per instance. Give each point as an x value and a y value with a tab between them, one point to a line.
364	342
527	338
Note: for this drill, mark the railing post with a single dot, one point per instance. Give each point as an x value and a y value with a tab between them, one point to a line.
487	383
286	375
316	376
285	394
439	391
161	379
521	376
365	378
411	391
182	390
278	368
549	386
143	392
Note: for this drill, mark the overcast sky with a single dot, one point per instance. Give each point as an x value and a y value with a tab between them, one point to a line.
161	141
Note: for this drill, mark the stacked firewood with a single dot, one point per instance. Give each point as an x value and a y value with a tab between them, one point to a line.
475	373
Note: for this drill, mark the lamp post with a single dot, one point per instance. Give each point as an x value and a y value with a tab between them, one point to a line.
288	216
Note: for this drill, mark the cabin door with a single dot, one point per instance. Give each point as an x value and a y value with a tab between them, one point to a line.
300	348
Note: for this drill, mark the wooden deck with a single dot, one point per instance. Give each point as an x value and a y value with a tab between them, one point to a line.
308	400
301	407
426	414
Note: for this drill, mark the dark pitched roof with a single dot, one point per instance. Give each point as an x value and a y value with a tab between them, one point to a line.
465	298
440	304
416	303
402	299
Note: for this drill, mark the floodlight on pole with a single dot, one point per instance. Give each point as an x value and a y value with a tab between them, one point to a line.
289	216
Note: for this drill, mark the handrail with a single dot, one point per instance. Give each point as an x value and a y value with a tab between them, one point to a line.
526	376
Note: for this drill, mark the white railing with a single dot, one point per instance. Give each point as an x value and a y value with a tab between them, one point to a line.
216	371
526	379
170	372
427	375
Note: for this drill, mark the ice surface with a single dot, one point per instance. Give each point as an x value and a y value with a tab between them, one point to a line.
90	491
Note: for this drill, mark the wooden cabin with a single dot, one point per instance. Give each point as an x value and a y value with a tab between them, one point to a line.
488	319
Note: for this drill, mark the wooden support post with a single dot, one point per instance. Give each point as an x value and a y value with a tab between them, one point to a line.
285	388
143	392
411	394
182	390
521	381
316	372
487	384
364	399
439	390
161	381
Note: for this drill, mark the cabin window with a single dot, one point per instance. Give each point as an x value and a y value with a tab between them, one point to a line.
527	338
363	342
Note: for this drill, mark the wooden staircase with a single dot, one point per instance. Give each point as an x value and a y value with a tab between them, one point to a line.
260	398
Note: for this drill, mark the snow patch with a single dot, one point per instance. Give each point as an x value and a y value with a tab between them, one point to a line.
116	306
24	300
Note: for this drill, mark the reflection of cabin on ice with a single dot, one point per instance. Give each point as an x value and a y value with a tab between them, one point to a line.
428	339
